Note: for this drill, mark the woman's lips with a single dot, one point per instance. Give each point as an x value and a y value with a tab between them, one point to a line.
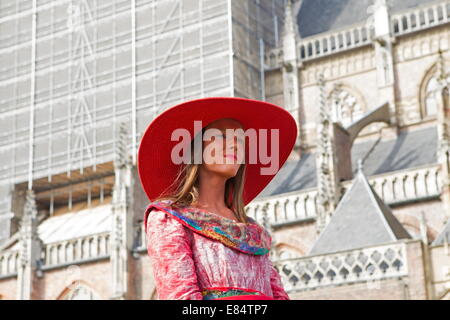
231	156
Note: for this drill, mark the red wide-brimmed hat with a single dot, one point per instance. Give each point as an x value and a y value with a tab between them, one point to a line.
156	169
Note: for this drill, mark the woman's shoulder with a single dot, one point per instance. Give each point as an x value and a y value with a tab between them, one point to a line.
159	207
250	237
161	203
160	212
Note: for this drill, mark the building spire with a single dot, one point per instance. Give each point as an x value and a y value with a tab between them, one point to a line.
288	19
30	248
442	73
291	86
289	37
383	41
325	161
122	228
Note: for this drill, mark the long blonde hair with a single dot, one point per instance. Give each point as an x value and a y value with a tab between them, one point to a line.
187	184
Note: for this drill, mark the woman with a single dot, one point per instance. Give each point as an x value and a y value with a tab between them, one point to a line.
201	243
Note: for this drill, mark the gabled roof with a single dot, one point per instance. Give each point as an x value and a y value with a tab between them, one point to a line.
361	219
444	235
409	150
318	16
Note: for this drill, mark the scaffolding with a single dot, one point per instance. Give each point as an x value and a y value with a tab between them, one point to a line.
257	27
72	70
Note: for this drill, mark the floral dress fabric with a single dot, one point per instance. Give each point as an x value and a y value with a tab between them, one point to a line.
199	255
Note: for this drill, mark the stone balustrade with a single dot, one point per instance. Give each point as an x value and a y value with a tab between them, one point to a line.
420	18
393	188
289	208
77	250
397	187
360	34
333	42
323	44
9	261
285	208
351	266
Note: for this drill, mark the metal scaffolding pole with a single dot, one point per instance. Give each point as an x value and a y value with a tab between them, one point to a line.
32	97
133	80
230	46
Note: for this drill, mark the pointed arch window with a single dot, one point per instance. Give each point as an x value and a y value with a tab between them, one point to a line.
346	107
80	292
431	104
432	90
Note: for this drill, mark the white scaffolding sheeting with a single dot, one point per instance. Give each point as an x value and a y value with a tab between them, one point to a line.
93	69
77	68
74	225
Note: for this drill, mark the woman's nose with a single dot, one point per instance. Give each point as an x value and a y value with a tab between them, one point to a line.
231	144
234	147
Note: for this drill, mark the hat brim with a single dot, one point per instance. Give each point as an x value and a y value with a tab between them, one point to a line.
157	171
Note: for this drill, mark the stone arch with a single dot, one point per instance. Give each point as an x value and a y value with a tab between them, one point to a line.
428	107
78	290
411	222
287	251
350	105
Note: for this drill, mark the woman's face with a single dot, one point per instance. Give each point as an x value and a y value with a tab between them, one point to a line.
223	152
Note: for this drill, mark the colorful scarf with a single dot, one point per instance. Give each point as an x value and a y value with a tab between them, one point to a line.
250	238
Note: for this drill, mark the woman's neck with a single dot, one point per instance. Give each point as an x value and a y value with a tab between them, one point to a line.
211	192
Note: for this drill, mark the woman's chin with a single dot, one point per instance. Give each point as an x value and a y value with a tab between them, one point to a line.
228	171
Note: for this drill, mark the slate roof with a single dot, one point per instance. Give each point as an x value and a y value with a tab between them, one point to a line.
445	234
410	149
318	16
361	219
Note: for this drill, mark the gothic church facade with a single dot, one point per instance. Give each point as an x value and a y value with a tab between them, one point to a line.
361	208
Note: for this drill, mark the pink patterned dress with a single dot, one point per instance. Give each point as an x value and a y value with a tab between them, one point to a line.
199	255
